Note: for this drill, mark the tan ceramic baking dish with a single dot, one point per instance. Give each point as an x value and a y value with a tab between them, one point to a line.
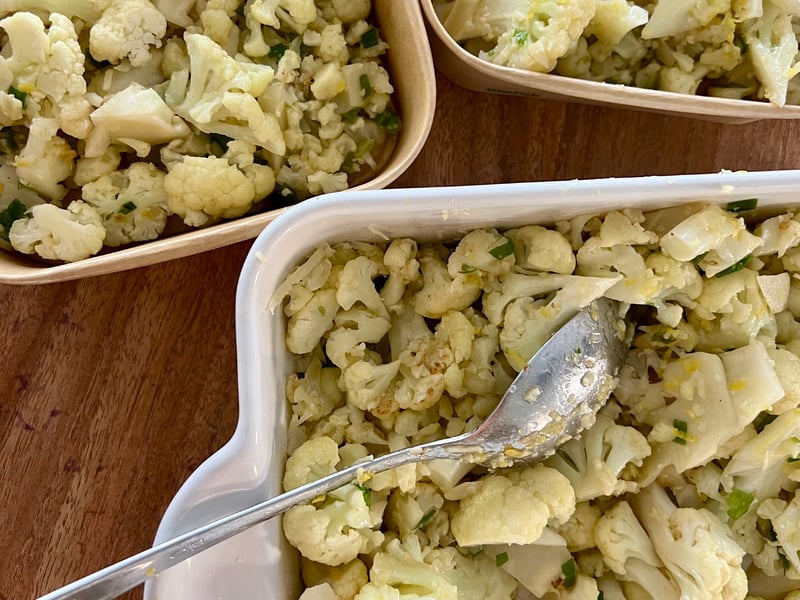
412	72
473	73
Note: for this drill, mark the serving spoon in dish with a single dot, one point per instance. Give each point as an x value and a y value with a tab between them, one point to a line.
553	399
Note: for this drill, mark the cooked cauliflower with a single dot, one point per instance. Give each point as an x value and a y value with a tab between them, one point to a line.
60	234
132	202
127	29
514	507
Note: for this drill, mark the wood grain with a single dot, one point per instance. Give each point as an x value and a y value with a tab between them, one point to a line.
113	389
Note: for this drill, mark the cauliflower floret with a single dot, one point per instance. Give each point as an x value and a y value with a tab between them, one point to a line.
132	202
218	95
513	507
48	67
403	267
337	530
137	117
344	580
46	159
540	249
217	21
594	463
354	329
772	46
718	237
528	35
203	189
89	169
127	29
695	547
628	552
54	233
313	460
298	14
176	11
316	394
441	292
613	19
86	10
484	252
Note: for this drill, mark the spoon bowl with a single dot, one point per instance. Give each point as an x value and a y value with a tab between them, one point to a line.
553	399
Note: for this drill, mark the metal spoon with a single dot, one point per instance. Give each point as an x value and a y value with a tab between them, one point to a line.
553	399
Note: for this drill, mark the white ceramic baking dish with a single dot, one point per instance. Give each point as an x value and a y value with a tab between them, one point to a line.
258	564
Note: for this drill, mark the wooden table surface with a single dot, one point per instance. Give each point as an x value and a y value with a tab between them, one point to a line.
114	389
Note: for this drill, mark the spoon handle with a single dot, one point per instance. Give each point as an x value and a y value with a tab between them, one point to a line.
118	578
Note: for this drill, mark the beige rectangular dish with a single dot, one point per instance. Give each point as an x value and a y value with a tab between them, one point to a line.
411	68
259	563
473	73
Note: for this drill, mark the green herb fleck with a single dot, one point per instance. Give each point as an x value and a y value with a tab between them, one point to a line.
737	266
503	250
351	115
19	95
466	269
15	210
577	351
738	503
366	88
742	205
277	51
389	120
321	310
762	420
475	551
793	459
520	37
127	208
681	429
426	518
600	595
370	38
365	491
501	559
699	258
570	573
363	147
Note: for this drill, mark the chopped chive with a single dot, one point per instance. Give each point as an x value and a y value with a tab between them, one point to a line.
321	310
699	258
351	115
127	208
370	38
737	266
503	250
365	491
19	95
741	205
793	459
569	571
15	210
520	37
681	429
426	518
738	503
466	269
501	559
600	595
795	439
389	120
762	420
366	88
277	51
